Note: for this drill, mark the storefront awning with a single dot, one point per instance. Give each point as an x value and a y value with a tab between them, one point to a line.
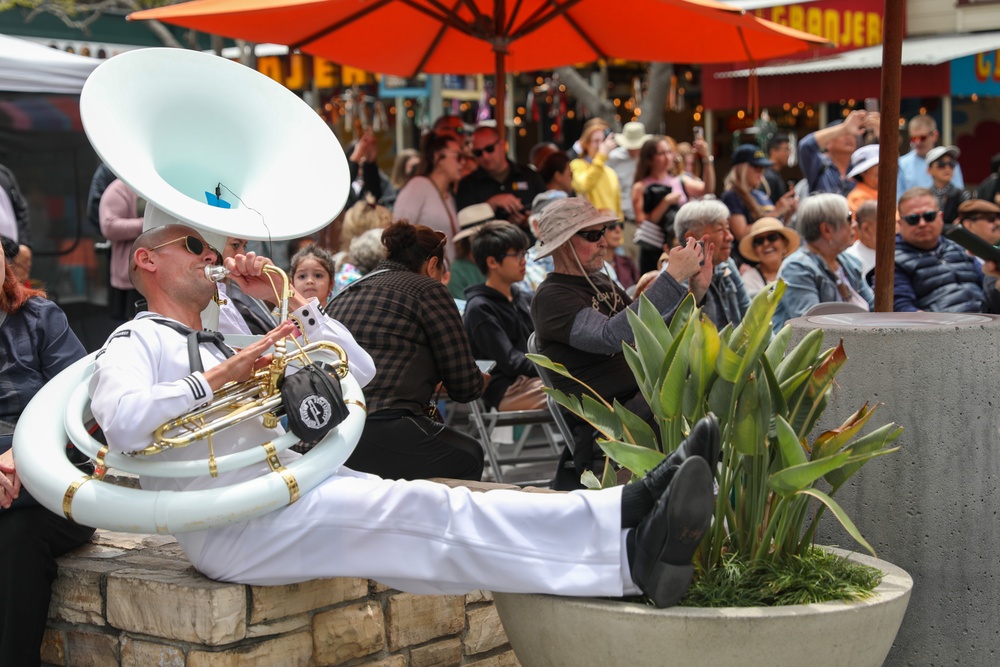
916	51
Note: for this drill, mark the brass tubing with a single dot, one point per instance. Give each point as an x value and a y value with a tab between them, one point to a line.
199	424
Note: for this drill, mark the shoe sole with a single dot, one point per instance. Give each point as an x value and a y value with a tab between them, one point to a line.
688	515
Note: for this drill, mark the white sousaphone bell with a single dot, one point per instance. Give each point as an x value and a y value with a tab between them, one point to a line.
211	144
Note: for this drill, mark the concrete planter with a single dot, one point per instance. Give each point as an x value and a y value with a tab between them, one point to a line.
548	631
931	508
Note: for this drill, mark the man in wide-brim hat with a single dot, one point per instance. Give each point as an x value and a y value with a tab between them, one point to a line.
579	312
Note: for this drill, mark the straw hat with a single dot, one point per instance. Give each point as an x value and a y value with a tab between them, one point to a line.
765	226
632	136
470	217
560	220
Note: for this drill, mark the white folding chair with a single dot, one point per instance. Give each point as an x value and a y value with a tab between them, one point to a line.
524	450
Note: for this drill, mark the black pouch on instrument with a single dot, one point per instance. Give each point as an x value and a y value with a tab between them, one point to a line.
313	402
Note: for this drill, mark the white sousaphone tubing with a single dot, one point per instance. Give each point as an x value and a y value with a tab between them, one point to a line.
40	453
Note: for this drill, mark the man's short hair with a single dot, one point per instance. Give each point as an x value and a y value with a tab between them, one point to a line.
147	239
495	239
775	142
552	165
486	130
866	211
913	193
924	121
695	215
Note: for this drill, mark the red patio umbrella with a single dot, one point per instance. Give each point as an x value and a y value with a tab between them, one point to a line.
407	37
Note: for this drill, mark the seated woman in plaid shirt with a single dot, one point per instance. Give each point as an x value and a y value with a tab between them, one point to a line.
406	319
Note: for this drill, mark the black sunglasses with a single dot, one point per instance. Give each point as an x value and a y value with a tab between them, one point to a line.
593	235
771	238
478	152
945	164
614	225
913	219
193	244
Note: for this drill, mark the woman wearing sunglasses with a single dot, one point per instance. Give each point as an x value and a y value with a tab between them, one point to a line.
766	246
820	271
406	319
427	198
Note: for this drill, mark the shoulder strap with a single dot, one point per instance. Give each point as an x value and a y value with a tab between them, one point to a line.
194	340
171	324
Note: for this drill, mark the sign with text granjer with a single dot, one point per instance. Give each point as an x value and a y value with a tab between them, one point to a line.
848	24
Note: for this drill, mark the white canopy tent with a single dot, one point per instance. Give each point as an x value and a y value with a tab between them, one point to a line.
27	67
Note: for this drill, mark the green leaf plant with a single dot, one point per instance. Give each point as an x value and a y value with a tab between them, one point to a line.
768	399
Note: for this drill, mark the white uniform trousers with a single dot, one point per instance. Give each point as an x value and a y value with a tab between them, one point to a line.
423	537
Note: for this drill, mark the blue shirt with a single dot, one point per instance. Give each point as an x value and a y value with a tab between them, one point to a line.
819	170
913	174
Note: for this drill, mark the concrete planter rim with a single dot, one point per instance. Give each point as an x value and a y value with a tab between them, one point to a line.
896	322
896	582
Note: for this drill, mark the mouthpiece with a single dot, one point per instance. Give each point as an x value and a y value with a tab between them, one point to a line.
215	273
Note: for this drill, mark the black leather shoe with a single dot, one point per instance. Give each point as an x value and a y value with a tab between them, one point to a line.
665	541
703	441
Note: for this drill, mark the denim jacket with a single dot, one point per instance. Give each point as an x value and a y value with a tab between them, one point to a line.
726	300
810	281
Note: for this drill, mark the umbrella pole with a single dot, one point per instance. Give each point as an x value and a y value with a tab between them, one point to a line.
501	93
885	240
499	43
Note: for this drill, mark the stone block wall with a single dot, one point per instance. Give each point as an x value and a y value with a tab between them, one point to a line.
135	601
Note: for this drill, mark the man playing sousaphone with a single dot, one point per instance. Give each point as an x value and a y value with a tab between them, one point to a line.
619	541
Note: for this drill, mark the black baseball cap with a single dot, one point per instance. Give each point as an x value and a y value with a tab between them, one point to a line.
750	154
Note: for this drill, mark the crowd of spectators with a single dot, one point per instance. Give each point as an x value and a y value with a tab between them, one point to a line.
463	252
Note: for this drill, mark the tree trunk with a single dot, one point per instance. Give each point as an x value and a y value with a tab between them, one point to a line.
655	100
657	84
248	53
585	93
165	35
